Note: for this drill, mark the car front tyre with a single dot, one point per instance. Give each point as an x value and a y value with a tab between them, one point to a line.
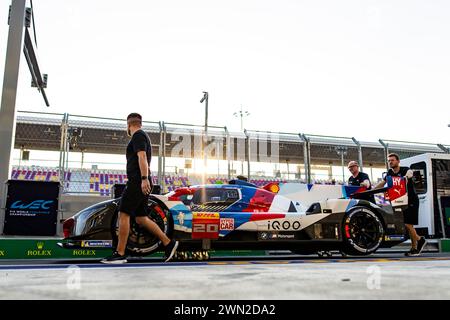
363	232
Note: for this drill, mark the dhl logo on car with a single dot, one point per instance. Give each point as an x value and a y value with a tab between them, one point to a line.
205	215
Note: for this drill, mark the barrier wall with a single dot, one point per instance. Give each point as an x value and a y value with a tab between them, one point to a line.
12	249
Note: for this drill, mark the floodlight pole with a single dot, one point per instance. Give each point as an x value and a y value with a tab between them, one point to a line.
9	93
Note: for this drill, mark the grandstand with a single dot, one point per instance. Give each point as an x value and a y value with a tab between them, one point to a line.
101	182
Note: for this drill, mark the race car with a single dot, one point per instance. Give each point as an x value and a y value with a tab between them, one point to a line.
303	218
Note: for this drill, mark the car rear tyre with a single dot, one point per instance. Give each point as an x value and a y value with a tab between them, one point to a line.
140	241
362	232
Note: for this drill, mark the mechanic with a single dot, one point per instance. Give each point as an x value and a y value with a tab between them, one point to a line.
411	214
242	178
134	201
358	178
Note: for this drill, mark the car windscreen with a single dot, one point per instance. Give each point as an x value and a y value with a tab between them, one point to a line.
215	195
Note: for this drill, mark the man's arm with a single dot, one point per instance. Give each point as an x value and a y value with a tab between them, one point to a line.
380	184
143	166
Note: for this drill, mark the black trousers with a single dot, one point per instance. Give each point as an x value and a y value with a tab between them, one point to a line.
134	202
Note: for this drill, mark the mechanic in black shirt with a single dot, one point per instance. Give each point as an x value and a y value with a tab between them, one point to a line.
358	178
411	214
135	197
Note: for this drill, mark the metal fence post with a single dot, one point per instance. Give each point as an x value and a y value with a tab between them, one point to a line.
305	165
62	151
228	142
443	148
66	164
309	160
160	152
386	152
360	157
163	172
248	154
306	156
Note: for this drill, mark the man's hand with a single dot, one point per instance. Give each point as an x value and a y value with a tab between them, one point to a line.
409	174
365	183
146	187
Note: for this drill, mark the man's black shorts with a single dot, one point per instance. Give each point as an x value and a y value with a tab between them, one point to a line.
133	201
411	214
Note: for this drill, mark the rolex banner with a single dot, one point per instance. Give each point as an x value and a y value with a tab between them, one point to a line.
31	208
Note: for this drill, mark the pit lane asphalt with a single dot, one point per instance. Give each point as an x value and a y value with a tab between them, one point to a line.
143	262
381	276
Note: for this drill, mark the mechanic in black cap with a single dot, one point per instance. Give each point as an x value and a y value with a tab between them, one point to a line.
135	197
411	214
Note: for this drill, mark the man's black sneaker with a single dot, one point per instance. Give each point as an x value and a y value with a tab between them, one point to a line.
115	258
412	253
421	244
171	249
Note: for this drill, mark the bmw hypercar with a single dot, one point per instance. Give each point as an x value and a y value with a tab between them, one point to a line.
302	218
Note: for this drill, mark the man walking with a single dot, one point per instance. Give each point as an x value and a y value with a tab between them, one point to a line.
411	214
134	201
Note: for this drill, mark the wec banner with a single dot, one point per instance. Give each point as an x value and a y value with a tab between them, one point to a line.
31	208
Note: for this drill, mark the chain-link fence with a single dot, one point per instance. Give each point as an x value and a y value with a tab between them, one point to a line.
87	154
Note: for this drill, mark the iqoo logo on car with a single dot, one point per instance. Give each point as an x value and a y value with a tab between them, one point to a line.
35	205
283	225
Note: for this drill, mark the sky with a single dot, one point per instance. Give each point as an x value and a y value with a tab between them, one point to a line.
363	68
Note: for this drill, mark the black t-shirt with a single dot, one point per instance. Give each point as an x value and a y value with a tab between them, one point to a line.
140	141
410	185
356	181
